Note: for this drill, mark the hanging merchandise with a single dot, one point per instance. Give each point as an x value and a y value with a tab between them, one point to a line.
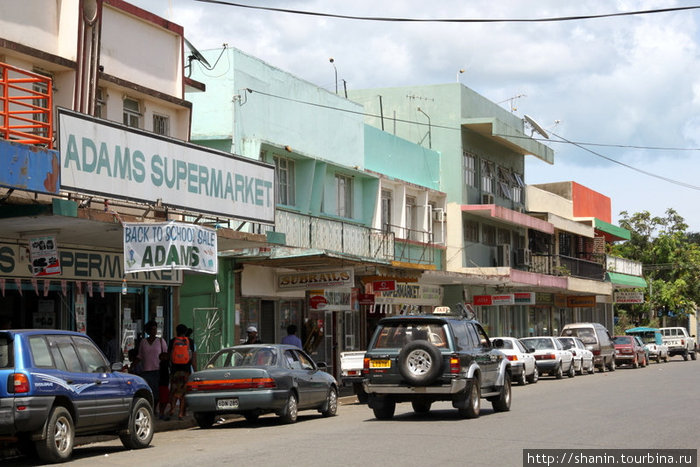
124	288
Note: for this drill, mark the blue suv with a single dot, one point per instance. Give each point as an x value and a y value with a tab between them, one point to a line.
55	385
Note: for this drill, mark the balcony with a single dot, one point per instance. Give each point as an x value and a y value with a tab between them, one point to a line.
411	245
623	266
26	102
305	231
560	265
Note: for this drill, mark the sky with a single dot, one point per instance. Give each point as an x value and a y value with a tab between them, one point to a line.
626	89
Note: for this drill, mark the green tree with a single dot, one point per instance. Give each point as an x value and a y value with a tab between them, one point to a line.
670	257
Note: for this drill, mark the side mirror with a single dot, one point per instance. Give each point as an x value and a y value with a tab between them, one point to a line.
531	350
117	366
497	343
323	366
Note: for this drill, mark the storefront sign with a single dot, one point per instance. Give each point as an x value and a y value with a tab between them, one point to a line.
366	299
560	301
81	265
318	302
482	300
169	245
524	298
383	286
542	298
629	297
112	160
322	279
43	254
330	299
489	300
410	294
580	301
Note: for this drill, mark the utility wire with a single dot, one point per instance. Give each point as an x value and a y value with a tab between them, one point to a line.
563	140
454	20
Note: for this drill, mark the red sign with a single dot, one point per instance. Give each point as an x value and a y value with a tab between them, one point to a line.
318	302
383	286
365	299
481	300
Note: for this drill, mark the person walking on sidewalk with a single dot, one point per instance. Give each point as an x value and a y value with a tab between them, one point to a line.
152	350
291	337
182	360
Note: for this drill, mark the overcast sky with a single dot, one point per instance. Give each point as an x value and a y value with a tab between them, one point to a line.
630	82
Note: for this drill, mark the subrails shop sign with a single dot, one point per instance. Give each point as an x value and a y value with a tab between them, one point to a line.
108	159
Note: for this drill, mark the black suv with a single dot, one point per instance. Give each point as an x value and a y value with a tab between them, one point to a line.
434	357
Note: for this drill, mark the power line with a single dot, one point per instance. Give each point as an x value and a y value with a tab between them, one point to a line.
454	20
563	140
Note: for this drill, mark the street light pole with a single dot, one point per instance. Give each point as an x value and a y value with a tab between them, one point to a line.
336	73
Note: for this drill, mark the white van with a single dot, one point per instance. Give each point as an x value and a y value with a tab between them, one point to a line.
597	339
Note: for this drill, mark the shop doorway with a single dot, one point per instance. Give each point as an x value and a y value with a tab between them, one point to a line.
102	323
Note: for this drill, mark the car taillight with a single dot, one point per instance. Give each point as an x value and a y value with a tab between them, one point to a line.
19	383
596	352
546	356
512	358
454	365
365	366
682	341
228	384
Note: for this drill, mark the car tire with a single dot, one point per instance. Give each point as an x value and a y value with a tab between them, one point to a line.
139	431
384	410
559	373
204	419
685	356
421	407
251	416
330	407
59	435
289	413
534	377
502	402
581	369
522	380
420	363
591	369
572	370
693	356
658	358
359	391
635	363
472	407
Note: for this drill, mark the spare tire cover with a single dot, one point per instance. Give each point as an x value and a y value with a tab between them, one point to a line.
420	363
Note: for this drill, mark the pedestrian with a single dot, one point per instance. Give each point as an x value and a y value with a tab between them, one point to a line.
164	389
182	360
252	336
291	338
152	350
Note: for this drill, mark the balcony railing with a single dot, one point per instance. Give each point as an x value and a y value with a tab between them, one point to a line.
623	265
560	265
26	103
412	245
305	231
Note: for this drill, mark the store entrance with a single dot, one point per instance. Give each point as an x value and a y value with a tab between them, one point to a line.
102	323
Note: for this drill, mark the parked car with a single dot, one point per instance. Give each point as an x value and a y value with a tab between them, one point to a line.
679	342
443	356
629	352
252	380
550	356
583	358
653	342
55	385
522	362
351	364
597	339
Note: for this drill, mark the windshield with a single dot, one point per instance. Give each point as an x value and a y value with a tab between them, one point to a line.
567	342
252	356
396	335
646	337
538	343
622	340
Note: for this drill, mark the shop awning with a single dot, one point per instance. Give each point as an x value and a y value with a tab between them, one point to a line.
620	280
612	233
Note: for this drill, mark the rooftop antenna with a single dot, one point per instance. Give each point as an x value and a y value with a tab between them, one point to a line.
197	55
511	100
535	127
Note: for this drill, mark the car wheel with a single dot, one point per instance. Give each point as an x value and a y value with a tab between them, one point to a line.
290	411
251	416
472	407
522	380
572	370
591	369
204	419
384	410
359	391
421	407
139	431
581	369
611	366
534	377
59	436
635	363
693	356
658	358
420	362
502	402
559	374
330	408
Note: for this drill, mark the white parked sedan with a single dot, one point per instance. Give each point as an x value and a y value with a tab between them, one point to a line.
522	363
583	358
550	356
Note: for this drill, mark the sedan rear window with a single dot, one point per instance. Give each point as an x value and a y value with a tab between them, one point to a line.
624	340
260	356
538	343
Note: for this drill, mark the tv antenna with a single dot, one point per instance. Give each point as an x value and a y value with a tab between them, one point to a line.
535	127
197	55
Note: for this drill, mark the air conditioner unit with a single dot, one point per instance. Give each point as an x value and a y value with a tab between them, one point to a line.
523	257
439	215
487	198
503	255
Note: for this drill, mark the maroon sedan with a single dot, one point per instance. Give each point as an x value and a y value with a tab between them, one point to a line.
629	352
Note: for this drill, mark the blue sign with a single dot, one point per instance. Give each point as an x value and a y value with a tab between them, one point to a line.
27	167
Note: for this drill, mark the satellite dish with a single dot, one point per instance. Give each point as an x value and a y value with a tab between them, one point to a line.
196	55
536	127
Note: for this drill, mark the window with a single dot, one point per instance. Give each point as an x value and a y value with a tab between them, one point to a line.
343	187
489	234
91	356
518	188
284	170
40	352
487	176
471	231
503	236
306	364
67	352
161	125
469	161
386	210
504	183
410	218
132	112
292	360
100	103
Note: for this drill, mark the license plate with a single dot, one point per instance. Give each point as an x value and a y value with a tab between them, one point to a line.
225	404
380	363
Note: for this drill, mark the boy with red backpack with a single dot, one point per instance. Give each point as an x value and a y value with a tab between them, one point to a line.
181	362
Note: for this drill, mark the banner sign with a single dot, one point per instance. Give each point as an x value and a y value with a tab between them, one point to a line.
580	301
383	286
410	294
169	245
482	300
492	300
43	254
109	159
321	279
524	298
628	297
